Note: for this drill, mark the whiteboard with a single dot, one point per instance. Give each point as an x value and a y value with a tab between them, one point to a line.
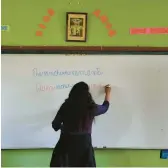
34	87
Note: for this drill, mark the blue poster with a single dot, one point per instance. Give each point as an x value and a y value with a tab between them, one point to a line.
164	154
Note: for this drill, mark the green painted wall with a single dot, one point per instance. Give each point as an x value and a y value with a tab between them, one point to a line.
23	16
104	158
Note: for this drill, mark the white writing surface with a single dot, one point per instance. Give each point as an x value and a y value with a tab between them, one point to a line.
34	87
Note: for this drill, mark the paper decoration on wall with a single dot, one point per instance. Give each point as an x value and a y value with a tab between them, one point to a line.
104	20
51	12
111	33
97	13
163	30
108	26
45	19
42	26
39	33
4	27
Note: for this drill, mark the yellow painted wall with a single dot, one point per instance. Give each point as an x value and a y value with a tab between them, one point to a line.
23	17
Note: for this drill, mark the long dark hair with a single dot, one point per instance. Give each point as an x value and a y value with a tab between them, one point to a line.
80	105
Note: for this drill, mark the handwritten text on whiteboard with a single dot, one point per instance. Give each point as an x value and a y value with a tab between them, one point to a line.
89	72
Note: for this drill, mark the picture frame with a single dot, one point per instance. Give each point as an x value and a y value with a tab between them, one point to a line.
76	27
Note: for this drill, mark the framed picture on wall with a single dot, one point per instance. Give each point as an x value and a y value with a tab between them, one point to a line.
76	27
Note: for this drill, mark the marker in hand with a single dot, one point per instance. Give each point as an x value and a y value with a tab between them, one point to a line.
108	85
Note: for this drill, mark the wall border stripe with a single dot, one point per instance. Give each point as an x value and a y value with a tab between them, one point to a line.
86	48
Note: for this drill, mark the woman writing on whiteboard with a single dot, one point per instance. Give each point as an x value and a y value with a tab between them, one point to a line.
75	118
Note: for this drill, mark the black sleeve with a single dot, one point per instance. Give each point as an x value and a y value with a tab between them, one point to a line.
57	122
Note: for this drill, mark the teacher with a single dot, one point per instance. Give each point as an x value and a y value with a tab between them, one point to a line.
75	118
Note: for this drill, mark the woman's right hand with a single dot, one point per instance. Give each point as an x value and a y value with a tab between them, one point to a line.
107	89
